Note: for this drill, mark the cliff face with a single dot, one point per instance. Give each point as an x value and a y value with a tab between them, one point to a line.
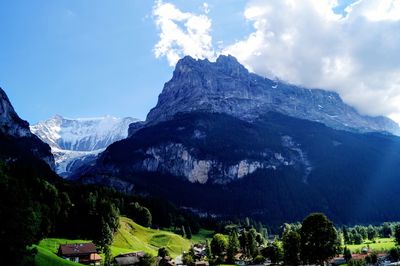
204	148
10	123
227	87
276	168
16	138
177	160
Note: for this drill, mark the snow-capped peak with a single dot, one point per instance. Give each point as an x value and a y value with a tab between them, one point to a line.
82	134
70	139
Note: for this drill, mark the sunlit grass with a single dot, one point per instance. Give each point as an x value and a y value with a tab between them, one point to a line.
378	245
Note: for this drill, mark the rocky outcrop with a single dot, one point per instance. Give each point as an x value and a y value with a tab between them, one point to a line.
10	123
15	130
175	159
227	87
181	154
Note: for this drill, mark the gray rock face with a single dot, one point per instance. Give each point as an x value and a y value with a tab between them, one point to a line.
227	87
185	158
12	125
10	122
177	160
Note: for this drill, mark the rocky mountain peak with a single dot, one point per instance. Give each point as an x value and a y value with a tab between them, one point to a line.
226	86
231	66
19	136
10	122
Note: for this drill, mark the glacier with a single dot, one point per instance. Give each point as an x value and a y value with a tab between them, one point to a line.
76	142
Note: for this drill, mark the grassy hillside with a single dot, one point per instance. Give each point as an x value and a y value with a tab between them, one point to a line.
129	237
381	244
47	250
202	236
133	237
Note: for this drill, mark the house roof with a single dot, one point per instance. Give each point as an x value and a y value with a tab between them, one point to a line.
130	260
139	254
77	249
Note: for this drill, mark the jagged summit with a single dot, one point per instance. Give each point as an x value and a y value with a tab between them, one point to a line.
226	86
16	140
10	122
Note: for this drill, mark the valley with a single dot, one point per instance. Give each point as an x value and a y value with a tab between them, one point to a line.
224	170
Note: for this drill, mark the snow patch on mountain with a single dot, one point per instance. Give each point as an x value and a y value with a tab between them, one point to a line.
75	142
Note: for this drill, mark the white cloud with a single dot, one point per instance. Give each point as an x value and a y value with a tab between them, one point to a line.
206	8
306	43
182	33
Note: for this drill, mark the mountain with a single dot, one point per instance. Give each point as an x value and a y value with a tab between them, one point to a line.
227	142
16	140
227	87
75	142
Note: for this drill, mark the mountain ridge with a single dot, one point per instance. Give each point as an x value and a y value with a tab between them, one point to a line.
225	141
226	86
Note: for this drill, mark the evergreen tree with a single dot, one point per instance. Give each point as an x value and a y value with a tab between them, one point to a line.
397	234
188	233
346	254
357	238
346	237
233	246
372	233
386	230
243	241
107	256
252	243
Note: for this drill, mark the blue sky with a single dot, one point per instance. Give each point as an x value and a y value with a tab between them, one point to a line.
92	58
85	58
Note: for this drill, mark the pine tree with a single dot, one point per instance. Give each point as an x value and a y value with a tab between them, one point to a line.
346	237
252	243
346	254
233	246
188	233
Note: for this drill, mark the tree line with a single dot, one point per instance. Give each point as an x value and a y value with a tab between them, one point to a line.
36	203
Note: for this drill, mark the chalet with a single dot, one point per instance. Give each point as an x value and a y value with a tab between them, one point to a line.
84	253
129	259
199	251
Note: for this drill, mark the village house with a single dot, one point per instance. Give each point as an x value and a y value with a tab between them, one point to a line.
129	259
199	251
84	253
